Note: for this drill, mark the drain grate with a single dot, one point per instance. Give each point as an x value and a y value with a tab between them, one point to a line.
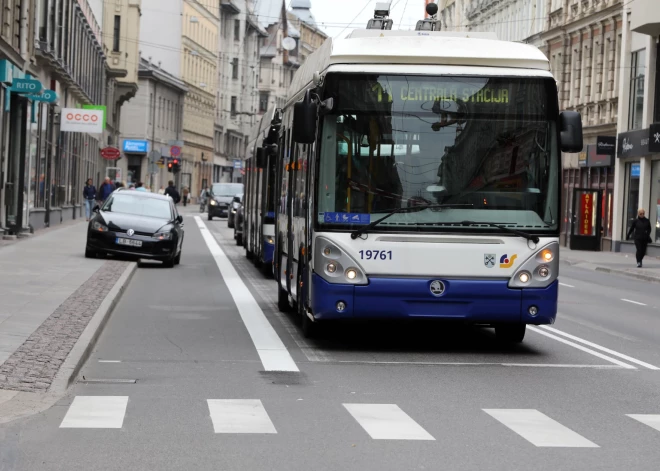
106	381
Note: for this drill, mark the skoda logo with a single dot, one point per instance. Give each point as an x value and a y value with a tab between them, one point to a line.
130	232
437	288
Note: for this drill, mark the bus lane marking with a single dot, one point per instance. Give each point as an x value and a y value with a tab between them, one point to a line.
272	351
601	348
633	302
580	347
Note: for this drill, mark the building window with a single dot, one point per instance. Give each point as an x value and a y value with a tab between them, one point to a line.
115	37
638	64
263	101
237	30
632	194
234	68
233	106
654	206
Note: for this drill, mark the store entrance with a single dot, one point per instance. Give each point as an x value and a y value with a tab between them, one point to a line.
587	229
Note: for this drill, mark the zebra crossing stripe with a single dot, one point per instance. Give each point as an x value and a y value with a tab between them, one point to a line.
96	412
652	420
539	429
387	422
239	416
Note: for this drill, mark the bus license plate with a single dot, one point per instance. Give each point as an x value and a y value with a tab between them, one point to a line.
129	242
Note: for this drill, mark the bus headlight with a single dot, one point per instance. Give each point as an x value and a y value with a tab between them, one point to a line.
329	262
540	270
270	240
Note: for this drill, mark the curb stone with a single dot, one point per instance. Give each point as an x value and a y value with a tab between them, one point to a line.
15	405
612	271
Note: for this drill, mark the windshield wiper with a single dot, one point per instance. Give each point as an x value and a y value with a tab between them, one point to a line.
364	230
524	235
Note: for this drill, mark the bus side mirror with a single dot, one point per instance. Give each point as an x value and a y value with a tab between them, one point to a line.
304	120
261	157
570	123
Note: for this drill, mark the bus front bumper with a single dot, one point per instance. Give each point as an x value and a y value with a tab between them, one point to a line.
474	301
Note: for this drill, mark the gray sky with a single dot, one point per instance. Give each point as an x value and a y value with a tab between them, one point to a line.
333	15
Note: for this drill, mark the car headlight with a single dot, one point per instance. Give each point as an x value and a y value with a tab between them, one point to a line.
270	240
538	271
334	265
233	210
213	202
97	226
163	236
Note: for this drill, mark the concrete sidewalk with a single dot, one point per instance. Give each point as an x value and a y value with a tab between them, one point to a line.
49	294
612	262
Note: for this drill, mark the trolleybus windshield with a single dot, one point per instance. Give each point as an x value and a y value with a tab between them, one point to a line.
397	141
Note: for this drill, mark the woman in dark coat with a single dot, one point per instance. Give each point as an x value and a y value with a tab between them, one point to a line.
641	232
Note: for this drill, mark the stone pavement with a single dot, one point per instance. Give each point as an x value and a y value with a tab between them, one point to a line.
49	292
612	262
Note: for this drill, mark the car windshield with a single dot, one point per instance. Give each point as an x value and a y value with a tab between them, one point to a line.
488	144
139	206
227	189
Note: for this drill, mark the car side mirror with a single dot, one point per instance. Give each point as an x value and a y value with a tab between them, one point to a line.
237	199
570	125
304	120
96	209
179	219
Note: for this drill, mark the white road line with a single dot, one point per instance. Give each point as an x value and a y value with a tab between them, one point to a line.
568	286
580	347
109	361
634	302
96	412
459	363
652	420
239	416
387	422
539	429
601	348
274	355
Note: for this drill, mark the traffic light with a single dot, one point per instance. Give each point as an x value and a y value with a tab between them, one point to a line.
174	166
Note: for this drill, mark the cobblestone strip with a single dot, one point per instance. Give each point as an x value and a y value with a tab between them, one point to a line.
34	365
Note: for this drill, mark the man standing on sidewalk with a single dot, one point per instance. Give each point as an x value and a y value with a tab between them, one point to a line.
641	227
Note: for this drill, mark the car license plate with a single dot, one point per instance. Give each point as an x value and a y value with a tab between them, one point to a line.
129	242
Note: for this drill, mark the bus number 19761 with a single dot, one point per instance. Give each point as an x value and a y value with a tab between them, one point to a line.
376	255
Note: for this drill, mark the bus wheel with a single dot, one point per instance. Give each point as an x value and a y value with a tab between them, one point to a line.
310	328
282	299
510	333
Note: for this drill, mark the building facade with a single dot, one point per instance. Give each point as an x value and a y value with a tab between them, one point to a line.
60	56
199	71
637	175
154	117
237	99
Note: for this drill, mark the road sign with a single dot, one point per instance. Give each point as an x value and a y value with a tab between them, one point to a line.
154	155
110	153
175	151
238	164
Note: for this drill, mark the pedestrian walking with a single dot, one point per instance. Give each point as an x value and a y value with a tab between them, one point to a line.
172	192
640	230
203	195
106	189
161	191
140	187
89	194
186	195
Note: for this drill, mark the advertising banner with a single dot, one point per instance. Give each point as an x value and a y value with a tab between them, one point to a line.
586	214
79	120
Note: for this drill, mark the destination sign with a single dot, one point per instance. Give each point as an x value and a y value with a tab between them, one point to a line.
468	95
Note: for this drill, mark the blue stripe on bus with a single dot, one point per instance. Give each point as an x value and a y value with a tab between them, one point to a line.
487	301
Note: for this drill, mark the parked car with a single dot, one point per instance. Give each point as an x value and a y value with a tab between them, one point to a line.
238	225
236	202
221	197
138	225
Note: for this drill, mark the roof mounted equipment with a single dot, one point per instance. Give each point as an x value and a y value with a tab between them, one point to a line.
381	20
432	23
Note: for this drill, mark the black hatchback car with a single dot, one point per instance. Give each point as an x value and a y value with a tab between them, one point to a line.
138	225
222	196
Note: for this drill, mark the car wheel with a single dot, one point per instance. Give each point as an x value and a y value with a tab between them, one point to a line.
89	253
210	218
177	259
510	333
169	263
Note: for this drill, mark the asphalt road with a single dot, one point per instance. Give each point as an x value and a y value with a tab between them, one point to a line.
392	397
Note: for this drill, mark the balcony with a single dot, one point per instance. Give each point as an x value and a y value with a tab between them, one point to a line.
230	6
645	18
